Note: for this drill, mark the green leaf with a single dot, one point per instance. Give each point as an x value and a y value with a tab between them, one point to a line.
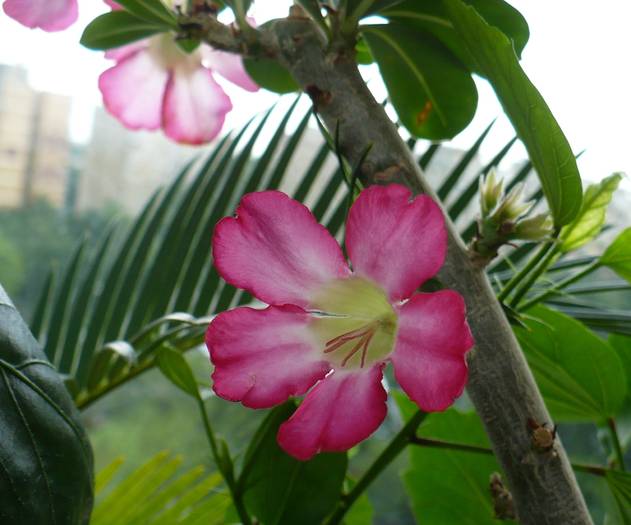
432	16
590	220
579	374
363	55
177	370
618	255
188	45
547	146
622	345
152	11
269	74
432	92
315	11
282	490
361	512
116	29
45	455
451	486
620	485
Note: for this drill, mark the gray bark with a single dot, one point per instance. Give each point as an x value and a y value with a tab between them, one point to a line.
500	385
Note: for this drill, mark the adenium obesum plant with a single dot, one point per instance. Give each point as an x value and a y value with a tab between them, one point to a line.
49	15
154	83
328	330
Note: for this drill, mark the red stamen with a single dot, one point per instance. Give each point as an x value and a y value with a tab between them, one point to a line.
365	335
354	351
365	348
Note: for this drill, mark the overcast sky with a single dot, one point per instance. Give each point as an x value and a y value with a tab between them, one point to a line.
578	56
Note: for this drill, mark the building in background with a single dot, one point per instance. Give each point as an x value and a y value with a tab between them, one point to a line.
34	142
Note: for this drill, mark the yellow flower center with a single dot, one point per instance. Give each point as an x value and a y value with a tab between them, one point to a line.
357	324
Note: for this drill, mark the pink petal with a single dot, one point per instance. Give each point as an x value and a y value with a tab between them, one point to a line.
429	353
114	5
195	106
342	410
133	91
276	250
119	53
262	357
229	66
49	15
395	241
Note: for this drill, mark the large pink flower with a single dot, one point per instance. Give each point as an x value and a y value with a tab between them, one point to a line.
49	15
157	85
332	327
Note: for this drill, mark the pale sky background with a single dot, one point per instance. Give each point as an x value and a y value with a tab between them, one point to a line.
578	56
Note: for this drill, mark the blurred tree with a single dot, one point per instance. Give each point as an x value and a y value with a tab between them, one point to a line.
37	236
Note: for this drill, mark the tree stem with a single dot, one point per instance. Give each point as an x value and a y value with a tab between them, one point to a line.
227	476
385	458
500	384
596	470
613	431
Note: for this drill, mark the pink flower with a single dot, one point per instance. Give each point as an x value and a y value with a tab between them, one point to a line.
332	327
157	85
49	15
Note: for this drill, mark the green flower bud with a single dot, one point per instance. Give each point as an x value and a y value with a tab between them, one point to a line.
535	228
491	190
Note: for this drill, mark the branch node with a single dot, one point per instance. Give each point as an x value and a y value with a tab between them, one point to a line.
318	96
502	498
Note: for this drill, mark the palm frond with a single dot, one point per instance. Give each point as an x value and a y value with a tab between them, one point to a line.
159	492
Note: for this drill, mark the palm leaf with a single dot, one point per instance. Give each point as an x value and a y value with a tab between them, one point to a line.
159	492
113	307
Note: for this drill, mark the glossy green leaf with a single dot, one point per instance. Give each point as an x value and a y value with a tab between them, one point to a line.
546	144
622	345
116	29
269	74
620	486
281	490
432	16
177	370
45	456
579	374
432	92
363	55
188	45
451	486
589	222
314	9
361	513
618	255
155	11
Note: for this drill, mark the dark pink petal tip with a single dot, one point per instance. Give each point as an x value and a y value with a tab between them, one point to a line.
429	357
341	411
396	240
275	249
263	357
